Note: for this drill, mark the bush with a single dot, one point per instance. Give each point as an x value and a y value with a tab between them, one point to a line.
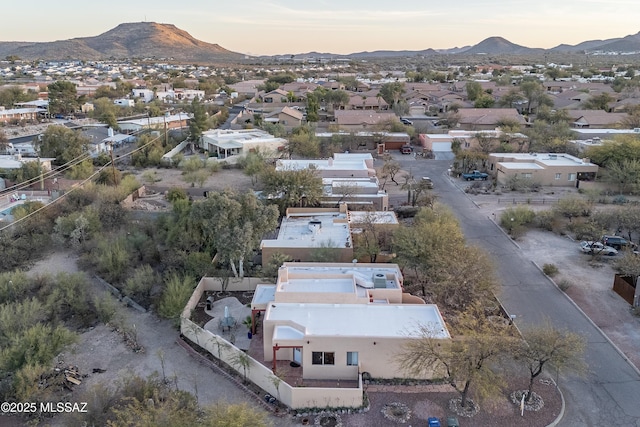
550	269
175	297
545	220
105	306
564	285
517	218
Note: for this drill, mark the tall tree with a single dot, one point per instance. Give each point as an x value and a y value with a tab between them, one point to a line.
62	143
198	123
63	97
465	360
292	188
232	225
392	92
534	94
474	90
546	345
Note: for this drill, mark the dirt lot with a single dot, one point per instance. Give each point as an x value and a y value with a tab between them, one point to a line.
590	281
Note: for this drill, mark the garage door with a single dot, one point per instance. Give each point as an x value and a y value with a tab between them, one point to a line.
441	146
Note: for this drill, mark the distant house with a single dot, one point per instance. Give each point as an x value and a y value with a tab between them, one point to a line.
362	120
595	118
123	102
548	169
18	114
487	118
175	121
226	143
286	116
275	96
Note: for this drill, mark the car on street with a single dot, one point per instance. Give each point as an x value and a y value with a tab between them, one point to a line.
617	242
406	121
427	182
597	248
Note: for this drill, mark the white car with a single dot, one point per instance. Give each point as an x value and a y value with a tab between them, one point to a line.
597	248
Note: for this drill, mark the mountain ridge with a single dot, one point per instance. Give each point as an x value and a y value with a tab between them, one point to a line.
168	42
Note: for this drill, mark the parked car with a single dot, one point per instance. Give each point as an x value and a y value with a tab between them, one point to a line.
617	242
406	121
589	247
427	182
475	175
406	149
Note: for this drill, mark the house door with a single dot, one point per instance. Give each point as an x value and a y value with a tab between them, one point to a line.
297	355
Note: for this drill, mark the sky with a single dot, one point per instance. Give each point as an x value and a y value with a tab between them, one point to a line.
340	27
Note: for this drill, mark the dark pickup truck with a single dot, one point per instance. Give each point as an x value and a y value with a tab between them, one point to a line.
475	175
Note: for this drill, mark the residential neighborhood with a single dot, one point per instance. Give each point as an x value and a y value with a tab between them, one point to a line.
336	239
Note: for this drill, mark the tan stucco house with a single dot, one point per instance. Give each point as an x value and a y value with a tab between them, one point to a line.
548	169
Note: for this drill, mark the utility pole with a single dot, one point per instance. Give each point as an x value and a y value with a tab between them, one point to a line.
113	165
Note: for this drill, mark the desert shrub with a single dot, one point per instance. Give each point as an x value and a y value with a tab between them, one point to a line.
572	207
588	230
177	194
545	220
550	269
111	259
139	285
105	307
517	218
177	292
564	284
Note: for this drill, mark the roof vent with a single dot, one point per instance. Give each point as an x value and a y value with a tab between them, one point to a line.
315	225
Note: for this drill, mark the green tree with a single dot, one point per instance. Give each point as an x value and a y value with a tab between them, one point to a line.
572	207
598	102
63	144
620	148
484	101
625	174
534	93
62	97
392	92
292	188
464	361
232	225
474	90
105	111
546	345
199	122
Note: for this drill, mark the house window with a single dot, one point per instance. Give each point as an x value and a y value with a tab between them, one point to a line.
572	177
352	358
526	175
467	144
322	358
558	176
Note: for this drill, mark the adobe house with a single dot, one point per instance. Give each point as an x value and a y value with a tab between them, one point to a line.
337	320
547	169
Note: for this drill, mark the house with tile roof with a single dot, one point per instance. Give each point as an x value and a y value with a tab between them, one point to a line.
595	119
362	119
487	118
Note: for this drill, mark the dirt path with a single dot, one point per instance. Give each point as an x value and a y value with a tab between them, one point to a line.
104	349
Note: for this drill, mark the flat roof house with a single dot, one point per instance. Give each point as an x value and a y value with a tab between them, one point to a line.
228	142
548	169
303	231
339	320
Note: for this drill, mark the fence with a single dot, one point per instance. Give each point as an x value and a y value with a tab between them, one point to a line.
254	371
528	201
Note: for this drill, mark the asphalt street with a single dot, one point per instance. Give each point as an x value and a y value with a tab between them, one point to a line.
609	394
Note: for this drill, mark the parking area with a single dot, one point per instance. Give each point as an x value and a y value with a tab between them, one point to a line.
587	280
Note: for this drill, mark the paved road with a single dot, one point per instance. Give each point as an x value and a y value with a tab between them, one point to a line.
609	395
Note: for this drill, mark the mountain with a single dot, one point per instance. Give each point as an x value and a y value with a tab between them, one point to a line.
153	40
499	45
129	40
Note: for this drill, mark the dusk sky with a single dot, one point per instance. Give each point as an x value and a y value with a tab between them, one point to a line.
347	26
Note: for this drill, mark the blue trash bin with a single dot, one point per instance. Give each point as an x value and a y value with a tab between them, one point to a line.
433	421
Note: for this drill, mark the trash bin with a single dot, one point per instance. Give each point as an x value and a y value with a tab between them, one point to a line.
209	303
433	422
452	422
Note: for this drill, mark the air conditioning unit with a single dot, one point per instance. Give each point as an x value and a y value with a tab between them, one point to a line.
379	280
